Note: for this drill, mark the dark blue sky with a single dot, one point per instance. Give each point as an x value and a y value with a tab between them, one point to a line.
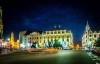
43	15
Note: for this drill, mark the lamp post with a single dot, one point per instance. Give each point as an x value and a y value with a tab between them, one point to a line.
8	39
9	44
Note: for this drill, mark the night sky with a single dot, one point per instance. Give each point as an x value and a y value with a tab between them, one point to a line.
42	15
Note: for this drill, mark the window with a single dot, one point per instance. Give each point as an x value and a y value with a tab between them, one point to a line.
86	36
62	31
51	32
47	32
58	32
63	39
68	40
94	36
90	39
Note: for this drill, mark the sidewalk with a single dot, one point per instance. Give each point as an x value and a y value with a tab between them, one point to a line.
94	57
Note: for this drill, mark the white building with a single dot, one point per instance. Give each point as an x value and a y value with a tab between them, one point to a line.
89	37
27	38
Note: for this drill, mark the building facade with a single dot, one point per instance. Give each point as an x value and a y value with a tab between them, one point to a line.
64	37
47	38
27	38
89	37
21	34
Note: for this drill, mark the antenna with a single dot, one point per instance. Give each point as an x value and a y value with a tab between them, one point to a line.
55	26
59	26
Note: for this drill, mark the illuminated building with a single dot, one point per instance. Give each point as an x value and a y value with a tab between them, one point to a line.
96	35
64	36
13	43
89	37
43	39
1	25
27	38
35	38
21	34
24	39
1	28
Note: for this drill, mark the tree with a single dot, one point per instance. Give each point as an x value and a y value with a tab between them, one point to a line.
57	43
98	42
33	45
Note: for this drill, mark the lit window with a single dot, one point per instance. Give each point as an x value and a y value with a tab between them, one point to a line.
67	36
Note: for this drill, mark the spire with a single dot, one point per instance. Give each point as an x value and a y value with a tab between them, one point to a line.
12	33
87	22
87	26
59	26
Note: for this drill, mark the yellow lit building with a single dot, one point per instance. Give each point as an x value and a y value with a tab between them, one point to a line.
64	36
13	43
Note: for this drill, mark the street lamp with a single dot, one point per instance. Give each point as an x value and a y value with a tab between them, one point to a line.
8	39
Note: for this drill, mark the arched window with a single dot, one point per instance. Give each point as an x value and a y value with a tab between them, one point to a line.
90	35
58	32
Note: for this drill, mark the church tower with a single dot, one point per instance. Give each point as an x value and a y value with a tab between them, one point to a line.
12	38
1	25
87	27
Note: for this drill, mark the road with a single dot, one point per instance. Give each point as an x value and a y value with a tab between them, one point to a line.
60	57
